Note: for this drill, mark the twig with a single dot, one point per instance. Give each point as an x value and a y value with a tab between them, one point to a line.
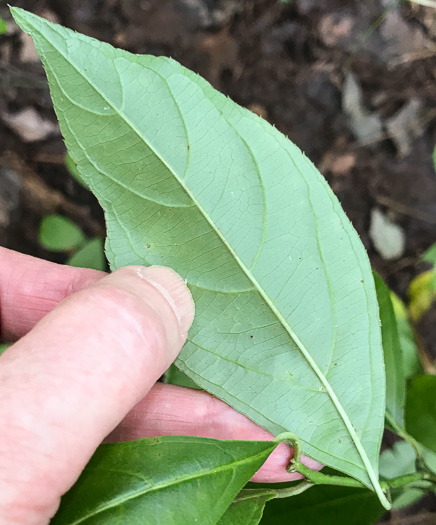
404	209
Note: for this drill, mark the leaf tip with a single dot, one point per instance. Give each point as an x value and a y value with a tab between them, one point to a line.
19	16
23	18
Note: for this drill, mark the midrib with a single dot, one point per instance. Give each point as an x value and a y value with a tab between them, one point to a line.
162	486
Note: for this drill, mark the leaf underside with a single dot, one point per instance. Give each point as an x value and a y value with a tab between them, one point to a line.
286	328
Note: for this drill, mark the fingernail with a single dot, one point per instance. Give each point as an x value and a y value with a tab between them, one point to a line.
174	290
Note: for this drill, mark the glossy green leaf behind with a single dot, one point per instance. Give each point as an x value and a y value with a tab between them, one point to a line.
325	505
421	410
395	380
59	234
90	255
247	508
173	480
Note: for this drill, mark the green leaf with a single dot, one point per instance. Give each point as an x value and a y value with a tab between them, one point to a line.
325	505
90	255
174	376
247	508
395	380
430	459
421	410
170	480
72	168
59	234
411	362
430	255
287	328
3	26
4	346
398	461
422	294
409	495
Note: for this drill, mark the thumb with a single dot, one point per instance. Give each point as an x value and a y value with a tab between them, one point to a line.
72	379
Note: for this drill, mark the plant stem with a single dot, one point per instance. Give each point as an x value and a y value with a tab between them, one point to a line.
401	432
247	494
406	479
293	441
318	478
312	477
293	491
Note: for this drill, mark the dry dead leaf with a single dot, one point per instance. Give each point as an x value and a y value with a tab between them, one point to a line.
29	125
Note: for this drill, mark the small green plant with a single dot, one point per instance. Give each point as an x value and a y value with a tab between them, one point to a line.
422	289
59	234
430	257
3	26
287	327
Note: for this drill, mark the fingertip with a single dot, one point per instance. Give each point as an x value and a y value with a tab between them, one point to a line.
162	290
175	291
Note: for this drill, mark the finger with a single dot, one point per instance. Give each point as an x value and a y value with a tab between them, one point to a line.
35	287
68	383
173	410
31	287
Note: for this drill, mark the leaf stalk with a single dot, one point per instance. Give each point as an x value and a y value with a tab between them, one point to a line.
313	477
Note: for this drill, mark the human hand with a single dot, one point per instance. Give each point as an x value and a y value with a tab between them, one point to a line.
90	350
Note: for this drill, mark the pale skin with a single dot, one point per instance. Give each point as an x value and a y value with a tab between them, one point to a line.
90	348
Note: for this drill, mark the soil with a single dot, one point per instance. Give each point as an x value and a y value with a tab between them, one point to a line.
352	83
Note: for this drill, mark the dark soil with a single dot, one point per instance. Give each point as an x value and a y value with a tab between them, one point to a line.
293	63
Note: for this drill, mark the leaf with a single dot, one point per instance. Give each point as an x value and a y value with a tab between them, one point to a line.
430	459
421	410
3	26
287	328
247	508
387	237
409	495
90	255
174	376
430	257
411	362
59	234
325	505
4	346
171	479
395	381
421	294
398	461
72	168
